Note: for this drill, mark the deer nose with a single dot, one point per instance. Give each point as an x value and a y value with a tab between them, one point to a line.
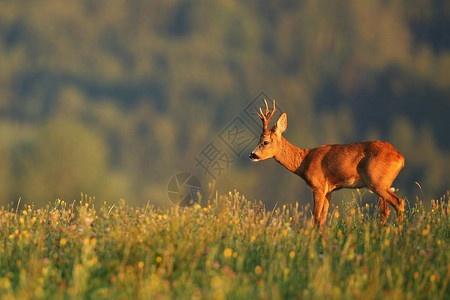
253	156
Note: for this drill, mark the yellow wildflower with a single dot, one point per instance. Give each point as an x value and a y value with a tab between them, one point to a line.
227	252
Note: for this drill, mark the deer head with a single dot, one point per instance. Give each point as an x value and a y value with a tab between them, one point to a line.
270	141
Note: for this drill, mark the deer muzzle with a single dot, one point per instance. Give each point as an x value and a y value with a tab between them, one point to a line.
253	156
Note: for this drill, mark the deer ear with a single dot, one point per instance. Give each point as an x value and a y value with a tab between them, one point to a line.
281	124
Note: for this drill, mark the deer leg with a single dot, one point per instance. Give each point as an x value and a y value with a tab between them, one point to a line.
384	208
400	203
319	199
323	214
392	199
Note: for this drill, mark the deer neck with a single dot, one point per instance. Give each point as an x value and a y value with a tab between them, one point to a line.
290	156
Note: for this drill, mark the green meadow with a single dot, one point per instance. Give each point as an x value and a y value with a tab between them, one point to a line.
226	248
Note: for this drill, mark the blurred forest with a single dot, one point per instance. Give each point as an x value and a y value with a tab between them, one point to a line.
113	98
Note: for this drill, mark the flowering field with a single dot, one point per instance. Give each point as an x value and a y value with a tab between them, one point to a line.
227	248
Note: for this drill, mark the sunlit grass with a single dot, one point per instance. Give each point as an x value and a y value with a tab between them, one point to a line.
227	248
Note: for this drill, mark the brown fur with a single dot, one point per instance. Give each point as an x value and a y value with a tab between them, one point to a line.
327	168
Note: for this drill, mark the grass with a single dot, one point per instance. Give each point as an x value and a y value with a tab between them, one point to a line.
229	248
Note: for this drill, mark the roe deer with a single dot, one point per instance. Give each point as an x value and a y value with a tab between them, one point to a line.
327	168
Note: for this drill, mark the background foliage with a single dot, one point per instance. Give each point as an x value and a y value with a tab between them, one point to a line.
112	98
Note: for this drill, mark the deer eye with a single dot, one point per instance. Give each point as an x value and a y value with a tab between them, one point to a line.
265	143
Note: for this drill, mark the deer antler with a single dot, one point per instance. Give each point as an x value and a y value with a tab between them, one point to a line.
267	116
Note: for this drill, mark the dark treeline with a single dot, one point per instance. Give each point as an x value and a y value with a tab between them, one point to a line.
113	98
